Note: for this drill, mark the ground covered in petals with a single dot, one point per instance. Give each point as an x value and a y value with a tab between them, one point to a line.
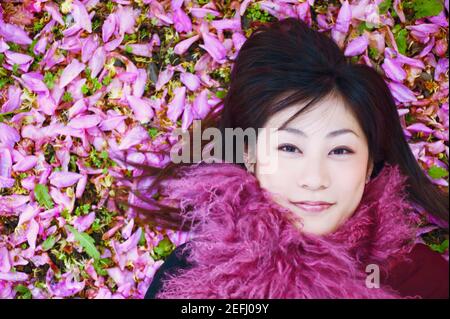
84	82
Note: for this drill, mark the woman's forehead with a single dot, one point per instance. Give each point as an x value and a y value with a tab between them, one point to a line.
330	113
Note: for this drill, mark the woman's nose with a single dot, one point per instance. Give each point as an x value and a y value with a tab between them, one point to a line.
314	176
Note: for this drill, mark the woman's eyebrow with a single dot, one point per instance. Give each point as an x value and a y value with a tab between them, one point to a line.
329	135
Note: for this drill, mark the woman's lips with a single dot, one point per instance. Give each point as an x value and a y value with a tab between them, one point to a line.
313	207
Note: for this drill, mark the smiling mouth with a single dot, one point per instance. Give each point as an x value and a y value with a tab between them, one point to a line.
313	208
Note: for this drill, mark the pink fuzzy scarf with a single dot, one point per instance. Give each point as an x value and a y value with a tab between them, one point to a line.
245	246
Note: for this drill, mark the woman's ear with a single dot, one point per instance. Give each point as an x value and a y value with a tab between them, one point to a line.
249	160
369	171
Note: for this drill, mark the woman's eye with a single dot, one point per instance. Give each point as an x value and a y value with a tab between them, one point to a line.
342	149
288	148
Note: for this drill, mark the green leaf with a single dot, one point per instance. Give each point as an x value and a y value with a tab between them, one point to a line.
384	6
210	17
42	196
164	248
152	131
373	53
400	39
48	243
426	8
15	68
84	89
437	172
67	97
128	49
86	241
221	94
110	6
142	240
100	264
49	80
13	46
82	209
24	292
440	248
364	26
106	80
96	85
87	71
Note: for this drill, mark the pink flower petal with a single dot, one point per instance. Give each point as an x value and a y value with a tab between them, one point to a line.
46	104
54	12
111	123
81	223
81	16
13	101
201	106
85	121
182	46
214	47
97	61
5	162
134	136
401	93
436	147
176	106
77	108
6	182
441	69
64	179
131	242
14	276
17	58
357	46
113	44
14	33
9	135
26	163
181	21
191	81
126	231
141	108
3	45
68	286
32	233
127	77
202	12
187	117
139	49
90	44
393	70
126	17
164	77
5	264
227	24
34	81
41	46
71	72
139	84
109	26
419	127
344	17
81	186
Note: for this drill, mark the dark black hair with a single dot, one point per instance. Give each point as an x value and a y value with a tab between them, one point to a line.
289	59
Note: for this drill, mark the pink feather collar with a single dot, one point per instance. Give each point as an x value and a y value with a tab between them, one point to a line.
246	247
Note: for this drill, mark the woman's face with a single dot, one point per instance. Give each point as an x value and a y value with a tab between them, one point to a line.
320	156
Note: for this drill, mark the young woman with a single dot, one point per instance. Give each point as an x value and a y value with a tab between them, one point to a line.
335	215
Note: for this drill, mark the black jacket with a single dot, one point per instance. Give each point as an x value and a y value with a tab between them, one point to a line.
174	262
